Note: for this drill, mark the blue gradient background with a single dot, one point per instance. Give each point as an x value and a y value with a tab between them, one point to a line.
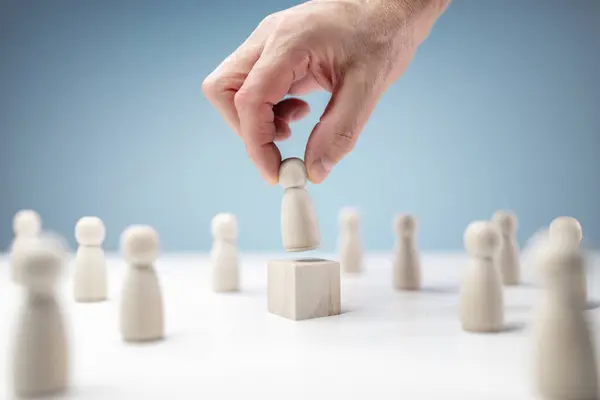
102	113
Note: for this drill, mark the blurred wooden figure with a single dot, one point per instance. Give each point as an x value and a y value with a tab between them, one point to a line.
350	246
224	254
565	356
40	363
90	283
407	263
142	314
481	296
508	260
27	225
566	232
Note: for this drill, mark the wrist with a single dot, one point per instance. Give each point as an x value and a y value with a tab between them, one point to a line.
407	8
410	19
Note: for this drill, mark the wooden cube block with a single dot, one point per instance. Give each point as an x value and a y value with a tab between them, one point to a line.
303	288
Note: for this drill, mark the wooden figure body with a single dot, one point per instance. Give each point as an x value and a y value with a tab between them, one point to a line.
40	363
299	225
481	296
508	259
27	225
142	315
407	263
350	246
565	356
224	254
90	281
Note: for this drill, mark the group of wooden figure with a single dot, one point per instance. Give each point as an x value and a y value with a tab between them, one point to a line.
303	288
40	354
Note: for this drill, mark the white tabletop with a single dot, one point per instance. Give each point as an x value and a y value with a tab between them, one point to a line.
385	344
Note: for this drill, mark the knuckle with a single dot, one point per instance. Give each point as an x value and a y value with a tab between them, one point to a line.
212	85
243	99
207	87
269	20
218	86
343	142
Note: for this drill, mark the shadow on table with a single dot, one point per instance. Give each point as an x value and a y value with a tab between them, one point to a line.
592	305
514	327
250	293
441	289
91	392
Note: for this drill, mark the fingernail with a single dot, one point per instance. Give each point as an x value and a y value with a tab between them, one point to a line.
319	170
297	114
268	175
269	178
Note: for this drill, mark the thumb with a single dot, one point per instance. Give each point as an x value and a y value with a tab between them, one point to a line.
352	102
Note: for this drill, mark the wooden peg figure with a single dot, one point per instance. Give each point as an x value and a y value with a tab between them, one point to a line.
481	295
224	254
299	225
90	281
40	361
27	225
566	232
142	314
407	263
350	246
565	354
508	260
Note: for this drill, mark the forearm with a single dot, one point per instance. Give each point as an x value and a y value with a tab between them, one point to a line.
410	7
408	20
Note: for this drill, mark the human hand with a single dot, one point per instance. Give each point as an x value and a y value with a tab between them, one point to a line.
354	49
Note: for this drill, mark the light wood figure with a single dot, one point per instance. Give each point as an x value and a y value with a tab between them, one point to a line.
90	282
481	296
407	263
142	315
40	361
350	246
224	254
299	225
27	225
567	232
565	357
508	259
